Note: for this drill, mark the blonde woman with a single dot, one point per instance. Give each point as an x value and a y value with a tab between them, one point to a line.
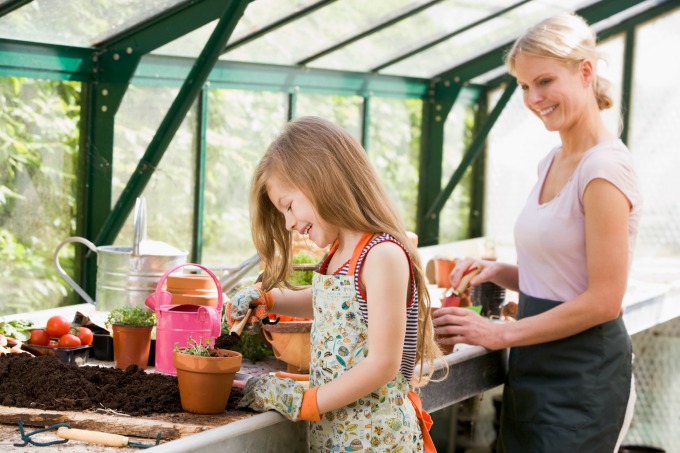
569	386
369	303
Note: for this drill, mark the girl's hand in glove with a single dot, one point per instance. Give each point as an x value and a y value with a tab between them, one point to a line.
286	396
249	297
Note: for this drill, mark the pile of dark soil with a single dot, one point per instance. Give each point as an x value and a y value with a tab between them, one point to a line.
44	382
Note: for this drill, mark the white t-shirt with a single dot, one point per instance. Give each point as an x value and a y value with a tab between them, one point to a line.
550	237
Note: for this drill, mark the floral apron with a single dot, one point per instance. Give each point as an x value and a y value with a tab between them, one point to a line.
384	420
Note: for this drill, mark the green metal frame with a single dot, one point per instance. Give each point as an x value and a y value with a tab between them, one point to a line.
11	5
108	68
199	187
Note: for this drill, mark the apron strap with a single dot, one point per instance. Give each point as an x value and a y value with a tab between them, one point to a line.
425	422
363	242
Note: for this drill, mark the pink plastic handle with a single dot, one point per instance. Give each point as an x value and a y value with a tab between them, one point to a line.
159	286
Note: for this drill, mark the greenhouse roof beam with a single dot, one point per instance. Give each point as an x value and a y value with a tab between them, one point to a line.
277	24
11	5
447	36
166	71
188	93
369	32
45	61
493	58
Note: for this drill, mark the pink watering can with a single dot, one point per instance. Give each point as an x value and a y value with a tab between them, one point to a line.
176	323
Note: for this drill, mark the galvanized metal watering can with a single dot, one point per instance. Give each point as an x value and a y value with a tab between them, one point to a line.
176	323
125	274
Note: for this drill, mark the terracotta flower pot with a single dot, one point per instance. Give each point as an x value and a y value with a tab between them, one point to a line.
131	345
442	270
205	382
192	289
290	342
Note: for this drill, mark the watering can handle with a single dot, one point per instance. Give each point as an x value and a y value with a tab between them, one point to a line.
220	300
64	275
140	225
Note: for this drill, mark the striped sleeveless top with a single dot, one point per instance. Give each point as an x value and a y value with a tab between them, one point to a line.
408	358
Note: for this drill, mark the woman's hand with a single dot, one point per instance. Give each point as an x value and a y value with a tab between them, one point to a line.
454	325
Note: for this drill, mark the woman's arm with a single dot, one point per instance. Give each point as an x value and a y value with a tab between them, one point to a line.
606	223
385	277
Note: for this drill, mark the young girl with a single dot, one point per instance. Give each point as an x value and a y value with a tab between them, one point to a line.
369	303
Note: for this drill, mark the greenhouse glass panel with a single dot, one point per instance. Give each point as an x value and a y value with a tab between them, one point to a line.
52	21
241	125
344	111
313	33
654	134
486	36
257	15
38	188
170	191
399	38
455	215
394	151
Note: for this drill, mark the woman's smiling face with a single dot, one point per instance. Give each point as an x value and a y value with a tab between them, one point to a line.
299	212
553	91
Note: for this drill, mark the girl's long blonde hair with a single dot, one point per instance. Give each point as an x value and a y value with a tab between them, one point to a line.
331	168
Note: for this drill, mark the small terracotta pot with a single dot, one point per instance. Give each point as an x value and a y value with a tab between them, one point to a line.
290	342
442	270
205	382
131	345
209	300
190	282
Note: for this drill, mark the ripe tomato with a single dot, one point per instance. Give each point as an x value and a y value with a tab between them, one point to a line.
86	336
39	337
57	326
69	341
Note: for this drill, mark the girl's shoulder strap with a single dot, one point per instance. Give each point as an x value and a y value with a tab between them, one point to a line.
361	245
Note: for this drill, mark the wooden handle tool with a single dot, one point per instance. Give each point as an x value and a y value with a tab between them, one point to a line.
452	295
239	326
93	437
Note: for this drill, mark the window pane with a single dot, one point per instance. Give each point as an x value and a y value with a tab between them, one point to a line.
421	28
478	39
38	186
310	34
52	21
654	134
344	111
241	125
454	217
170	192
394	151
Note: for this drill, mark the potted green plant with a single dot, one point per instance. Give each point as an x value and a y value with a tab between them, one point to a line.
205	376
131	328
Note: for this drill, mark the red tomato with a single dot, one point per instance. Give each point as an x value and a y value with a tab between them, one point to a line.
69	341
39	337
86	336
58	326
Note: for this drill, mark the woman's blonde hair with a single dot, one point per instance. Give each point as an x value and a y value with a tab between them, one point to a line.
330	167
568	38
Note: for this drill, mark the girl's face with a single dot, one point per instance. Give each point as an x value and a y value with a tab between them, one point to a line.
554	92
299	213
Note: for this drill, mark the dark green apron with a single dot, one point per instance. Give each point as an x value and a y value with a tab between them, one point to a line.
568	395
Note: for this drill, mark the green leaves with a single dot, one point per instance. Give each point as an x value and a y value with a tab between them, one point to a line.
131	316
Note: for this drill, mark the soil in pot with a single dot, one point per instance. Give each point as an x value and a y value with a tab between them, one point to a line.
46	383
